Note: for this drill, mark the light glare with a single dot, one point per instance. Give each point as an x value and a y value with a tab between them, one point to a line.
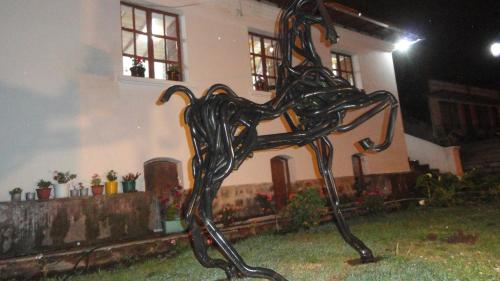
403	45
495	49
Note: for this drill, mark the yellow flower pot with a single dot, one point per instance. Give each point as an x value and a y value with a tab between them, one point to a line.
111	187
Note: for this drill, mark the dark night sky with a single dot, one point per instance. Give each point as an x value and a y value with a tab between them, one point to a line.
457	38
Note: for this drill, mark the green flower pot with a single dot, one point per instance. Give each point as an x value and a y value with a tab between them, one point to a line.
172	226
128	186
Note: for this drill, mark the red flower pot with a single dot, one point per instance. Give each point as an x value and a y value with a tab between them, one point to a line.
174	76
97	190
43	193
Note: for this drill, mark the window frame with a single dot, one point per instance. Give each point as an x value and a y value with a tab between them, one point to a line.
264	57
449	116
150	46
341	71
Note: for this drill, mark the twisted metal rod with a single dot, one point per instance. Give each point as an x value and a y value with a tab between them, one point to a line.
312	101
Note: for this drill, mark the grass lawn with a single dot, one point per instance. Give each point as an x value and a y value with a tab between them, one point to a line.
413	246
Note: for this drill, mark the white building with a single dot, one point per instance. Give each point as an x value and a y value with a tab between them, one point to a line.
66	103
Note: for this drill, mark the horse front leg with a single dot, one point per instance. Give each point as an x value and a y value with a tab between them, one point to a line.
324	157
196	203
385	99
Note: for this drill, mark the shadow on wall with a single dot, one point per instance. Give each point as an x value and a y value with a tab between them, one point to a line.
36	131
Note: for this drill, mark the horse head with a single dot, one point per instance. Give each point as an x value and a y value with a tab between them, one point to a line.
296	46
295	31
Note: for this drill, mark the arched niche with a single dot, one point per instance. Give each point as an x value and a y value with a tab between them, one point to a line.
280	172
161	175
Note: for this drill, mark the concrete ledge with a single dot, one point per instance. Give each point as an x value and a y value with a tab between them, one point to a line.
30	227
41	265
54	263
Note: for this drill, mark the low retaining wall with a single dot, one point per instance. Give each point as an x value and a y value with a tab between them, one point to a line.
49	236
445	159
242	197
50	264
39	226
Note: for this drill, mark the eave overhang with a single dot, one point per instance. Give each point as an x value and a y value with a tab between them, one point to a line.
353	20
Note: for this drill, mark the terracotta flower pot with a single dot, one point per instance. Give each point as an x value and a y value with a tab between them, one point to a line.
174	75
43	193
111	187
97	189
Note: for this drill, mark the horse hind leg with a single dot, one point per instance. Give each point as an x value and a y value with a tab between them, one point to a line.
201	254
324	157
232	255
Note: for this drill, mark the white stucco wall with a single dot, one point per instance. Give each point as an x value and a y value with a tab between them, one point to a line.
445	159
64	104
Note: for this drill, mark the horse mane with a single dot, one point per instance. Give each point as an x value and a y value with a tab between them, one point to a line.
294	26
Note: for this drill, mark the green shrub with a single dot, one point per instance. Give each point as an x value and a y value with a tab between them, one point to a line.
228	215
447	190
440	190
266	203
304	210
483	187
373	202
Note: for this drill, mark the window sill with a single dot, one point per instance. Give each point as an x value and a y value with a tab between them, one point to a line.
144	81
263	94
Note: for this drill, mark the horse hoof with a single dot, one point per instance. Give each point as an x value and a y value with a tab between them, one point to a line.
232	272
366	144
367	259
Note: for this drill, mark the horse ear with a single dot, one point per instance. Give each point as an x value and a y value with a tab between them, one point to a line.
331	33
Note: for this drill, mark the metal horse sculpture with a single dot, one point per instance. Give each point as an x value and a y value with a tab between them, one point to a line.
313	102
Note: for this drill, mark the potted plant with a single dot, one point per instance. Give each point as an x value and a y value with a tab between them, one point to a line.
128	182
43	190
111	185
170	210
74	192
174	73
61	189
260	85
137	69
97	187
84	191
15	194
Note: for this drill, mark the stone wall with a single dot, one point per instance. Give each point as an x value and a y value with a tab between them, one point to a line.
393	185
34	227
30	227
242	197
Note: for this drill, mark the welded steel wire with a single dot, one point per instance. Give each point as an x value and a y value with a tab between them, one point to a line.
313	102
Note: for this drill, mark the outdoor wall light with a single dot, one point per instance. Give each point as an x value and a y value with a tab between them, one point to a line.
404	44
495	49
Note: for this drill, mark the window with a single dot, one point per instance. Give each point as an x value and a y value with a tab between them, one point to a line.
449	116
264	60
483	116
496	116
342	66
153	37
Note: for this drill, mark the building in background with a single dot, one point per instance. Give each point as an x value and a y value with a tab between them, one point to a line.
68	101
463	113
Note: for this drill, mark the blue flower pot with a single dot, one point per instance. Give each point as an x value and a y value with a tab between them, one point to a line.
172	226
128	186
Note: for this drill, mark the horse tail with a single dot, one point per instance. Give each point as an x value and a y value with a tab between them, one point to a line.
165	96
